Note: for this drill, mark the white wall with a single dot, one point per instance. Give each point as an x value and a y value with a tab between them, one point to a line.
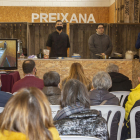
112	1
57	3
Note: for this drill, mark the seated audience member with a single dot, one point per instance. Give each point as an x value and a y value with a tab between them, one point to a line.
101	83
30	80
133	101
4	97
76	118
77	72
138	42
27	116
120	82
51	87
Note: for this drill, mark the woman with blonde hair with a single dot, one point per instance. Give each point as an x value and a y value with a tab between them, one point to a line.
27	116
77	72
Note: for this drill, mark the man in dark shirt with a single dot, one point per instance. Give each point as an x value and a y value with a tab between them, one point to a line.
58	41
99	43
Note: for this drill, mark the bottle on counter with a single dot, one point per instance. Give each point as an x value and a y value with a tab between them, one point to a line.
40	55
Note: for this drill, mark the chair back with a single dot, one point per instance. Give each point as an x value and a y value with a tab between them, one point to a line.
78	138
118	94
134	139
54	109
132	121
1	109
105	110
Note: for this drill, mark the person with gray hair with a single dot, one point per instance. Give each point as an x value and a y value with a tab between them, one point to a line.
112	68
100	95
120	82
51	87
101	83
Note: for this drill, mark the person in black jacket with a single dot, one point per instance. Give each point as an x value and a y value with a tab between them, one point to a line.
51	87
101	83
120	82
75	117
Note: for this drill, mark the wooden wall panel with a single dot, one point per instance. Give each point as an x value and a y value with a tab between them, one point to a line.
39	33
125	37
14	30
79	36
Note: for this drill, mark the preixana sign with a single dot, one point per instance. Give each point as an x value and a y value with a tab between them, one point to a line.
52	17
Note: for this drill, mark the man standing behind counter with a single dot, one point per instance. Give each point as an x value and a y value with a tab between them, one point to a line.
58	41
99	43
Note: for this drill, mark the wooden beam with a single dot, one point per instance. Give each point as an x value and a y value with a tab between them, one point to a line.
131	11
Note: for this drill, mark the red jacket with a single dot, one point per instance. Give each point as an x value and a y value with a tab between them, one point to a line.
28	81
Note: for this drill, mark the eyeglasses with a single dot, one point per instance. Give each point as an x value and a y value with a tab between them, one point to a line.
101	28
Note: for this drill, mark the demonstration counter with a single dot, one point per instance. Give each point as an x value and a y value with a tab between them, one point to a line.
130	68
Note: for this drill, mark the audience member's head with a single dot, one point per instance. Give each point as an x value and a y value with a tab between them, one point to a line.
77	72
74	91
51	78
112	68
28	112
102	80
28	67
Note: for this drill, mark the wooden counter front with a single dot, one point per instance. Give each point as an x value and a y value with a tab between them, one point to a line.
129	68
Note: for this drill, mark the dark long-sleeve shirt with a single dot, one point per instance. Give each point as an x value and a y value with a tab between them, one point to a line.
100	44
138	42
58	43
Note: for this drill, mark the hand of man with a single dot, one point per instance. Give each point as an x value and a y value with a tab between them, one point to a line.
102	53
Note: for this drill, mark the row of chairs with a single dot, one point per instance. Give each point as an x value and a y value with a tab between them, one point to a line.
84	138
121	95
104	109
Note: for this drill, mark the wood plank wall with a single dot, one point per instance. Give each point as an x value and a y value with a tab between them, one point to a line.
38	35
14	30
123	37
34	35
79	35
127	11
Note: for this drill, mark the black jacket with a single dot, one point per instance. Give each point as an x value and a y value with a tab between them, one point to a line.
4	97
97	97
120	82
84	123
53	94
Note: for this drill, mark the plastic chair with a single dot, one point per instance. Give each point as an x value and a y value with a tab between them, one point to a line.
134	139
78	138
54	109
1	109
132	121
105	109
119	94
